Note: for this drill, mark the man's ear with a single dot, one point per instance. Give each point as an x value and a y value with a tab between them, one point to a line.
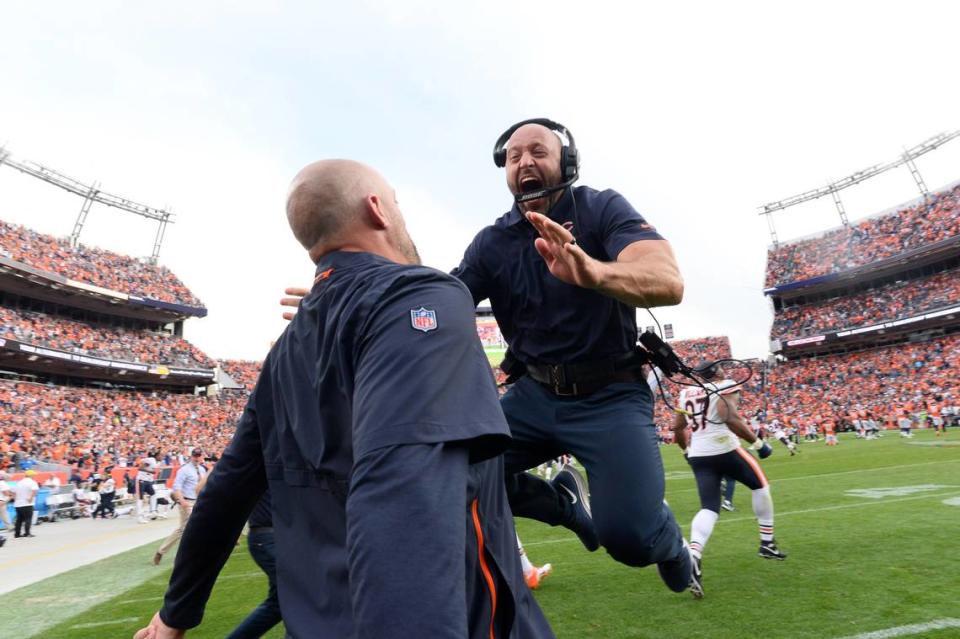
376	214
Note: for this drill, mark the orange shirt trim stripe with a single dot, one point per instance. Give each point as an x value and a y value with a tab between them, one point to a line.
484	568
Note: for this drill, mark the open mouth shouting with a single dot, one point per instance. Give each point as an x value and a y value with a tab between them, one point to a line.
530	183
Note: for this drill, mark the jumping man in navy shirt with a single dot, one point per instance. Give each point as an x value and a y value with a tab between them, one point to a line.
565	270
376	424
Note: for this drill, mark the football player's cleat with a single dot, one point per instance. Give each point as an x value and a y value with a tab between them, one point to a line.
696	577
769	550
536	575
569	483
727	505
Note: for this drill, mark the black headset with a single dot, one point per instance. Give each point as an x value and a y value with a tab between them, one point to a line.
569	156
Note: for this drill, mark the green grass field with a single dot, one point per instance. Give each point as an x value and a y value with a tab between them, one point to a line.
876	559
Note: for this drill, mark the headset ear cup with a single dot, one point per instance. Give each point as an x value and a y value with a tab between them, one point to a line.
500	157
570	162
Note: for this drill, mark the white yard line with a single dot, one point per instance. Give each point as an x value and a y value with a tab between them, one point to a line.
689	475
727	519
97	624
912	629
156	598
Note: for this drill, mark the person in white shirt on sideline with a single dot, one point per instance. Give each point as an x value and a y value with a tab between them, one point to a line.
24	496
185	487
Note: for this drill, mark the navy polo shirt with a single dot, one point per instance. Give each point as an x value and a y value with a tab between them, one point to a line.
376	423
542	318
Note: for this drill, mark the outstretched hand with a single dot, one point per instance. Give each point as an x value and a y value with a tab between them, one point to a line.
296	294
565	259
159	630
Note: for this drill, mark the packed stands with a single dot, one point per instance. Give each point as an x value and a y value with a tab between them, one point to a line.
97	428
884	381
886	302
75	336
871	240
93	266
244	373
695	351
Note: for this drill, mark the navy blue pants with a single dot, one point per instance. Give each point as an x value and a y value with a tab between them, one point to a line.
267	614
736	466
611	433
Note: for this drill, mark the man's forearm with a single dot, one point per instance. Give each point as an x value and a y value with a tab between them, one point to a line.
642	285
214	526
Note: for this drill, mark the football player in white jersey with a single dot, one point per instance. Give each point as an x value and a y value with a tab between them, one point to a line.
713	449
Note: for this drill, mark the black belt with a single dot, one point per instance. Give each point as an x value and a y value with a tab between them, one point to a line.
261	529
584	378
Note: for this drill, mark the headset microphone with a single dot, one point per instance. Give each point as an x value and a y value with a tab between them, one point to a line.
539	193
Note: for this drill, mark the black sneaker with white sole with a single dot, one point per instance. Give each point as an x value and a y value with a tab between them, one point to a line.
570	483
769	550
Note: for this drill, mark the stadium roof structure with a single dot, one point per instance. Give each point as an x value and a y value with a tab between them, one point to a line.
27	281
24	357
833	189
91	193
907	260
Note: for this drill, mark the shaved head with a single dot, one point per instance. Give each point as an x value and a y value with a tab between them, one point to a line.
333	204
539	133
327	195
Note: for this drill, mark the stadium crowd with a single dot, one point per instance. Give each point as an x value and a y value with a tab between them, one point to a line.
703	349
868	241
93	429
900	299
243	372
885	382
93	266
75	336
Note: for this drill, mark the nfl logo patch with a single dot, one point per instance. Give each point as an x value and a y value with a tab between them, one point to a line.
423	319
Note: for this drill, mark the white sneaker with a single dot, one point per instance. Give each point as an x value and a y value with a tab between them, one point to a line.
141	520
727	505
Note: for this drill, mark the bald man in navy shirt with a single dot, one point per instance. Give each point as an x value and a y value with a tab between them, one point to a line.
376	423
565	270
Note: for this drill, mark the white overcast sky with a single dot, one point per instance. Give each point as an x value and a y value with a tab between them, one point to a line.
697	112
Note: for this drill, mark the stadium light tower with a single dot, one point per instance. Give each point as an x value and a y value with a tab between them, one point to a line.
833	189
91	194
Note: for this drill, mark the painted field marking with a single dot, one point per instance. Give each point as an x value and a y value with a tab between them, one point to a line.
783	514
952	502
937	444
912	629
156	598
842	472
32	601
241	575
895	491
97	624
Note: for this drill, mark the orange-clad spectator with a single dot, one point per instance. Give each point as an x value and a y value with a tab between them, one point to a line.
870	240
93	266
885	303
109	342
